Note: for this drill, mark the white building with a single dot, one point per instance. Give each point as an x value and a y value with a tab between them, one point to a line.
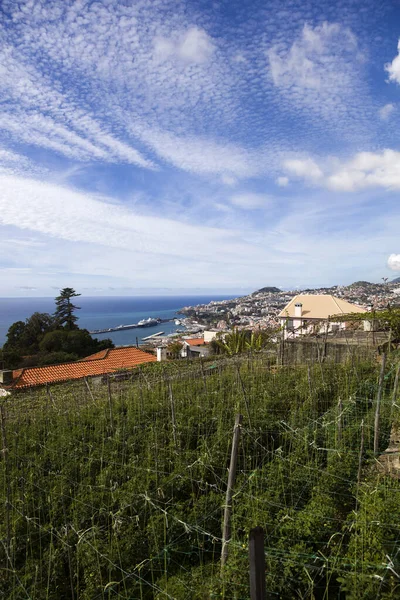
195	347
310	313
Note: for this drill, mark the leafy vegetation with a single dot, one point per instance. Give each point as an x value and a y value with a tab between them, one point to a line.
241	340
387	319
174	349
121	495
45	339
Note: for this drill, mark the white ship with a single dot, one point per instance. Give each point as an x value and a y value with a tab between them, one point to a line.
148	322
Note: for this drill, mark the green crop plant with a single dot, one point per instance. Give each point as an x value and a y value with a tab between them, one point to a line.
122	496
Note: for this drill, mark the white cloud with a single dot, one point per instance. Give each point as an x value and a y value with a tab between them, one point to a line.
306	168
364	170
228	180
70	215
196	46
321	73
318	60
191	46
386	111
393	68
101	241
46	117
282	181
394	262
251	200
198	154
367	170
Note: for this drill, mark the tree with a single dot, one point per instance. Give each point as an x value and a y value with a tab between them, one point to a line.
174	349
77	342
64	313
15	335
26	337
36	328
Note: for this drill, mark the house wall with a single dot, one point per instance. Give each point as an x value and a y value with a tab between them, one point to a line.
294	328
210	335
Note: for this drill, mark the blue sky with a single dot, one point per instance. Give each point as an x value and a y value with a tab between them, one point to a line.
168	147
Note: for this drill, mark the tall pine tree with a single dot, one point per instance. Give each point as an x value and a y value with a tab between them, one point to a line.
64	314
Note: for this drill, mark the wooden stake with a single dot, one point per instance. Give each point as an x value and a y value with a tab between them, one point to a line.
173	415
203	374
309	380
395	387
226	531
257	564
340	422
110	403
361	453
378	404
88	387
50	395
244	394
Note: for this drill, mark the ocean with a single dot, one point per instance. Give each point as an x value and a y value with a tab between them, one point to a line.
104	312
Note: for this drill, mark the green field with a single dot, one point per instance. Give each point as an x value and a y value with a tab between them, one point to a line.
121	495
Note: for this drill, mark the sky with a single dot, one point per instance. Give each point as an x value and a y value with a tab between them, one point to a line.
168	147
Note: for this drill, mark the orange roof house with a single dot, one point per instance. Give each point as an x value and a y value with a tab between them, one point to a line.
195	341
101	363
310	314
195	347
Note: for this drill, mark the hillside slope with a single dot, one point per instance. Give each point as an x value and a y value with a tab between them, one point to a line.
122	496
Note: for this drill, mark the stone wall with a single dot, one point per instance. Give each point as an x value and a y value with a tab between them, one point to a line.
306	351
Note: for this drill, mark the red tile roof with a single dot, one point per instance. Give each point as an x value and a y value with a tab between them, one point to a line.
195	342
101	363
97	355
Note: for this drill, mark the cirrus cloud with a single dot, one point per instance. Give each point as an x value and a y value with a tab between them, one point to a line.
251	201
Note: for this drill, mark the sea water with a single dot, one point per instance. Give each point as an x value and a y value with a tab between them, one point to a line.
104	312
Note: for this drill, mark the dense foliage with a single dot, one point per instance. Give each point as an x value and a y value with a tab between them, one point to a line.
387	319
241	340
45	339
121	495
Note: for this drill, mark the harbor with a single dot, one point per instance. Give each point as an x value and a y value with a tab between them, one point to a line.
150	322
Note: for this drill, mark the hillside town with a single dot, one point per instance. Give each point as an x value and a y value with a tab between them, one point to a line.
261	309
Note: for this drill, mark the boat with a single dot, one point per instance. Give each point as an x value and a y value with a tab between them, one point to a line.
148	322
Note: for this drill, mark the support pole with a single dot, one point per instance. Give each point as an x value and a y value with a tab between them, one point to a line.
395	387
226	531
378	404
257	564
88	388
110	404
340	422
171	398
360	459
360	456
